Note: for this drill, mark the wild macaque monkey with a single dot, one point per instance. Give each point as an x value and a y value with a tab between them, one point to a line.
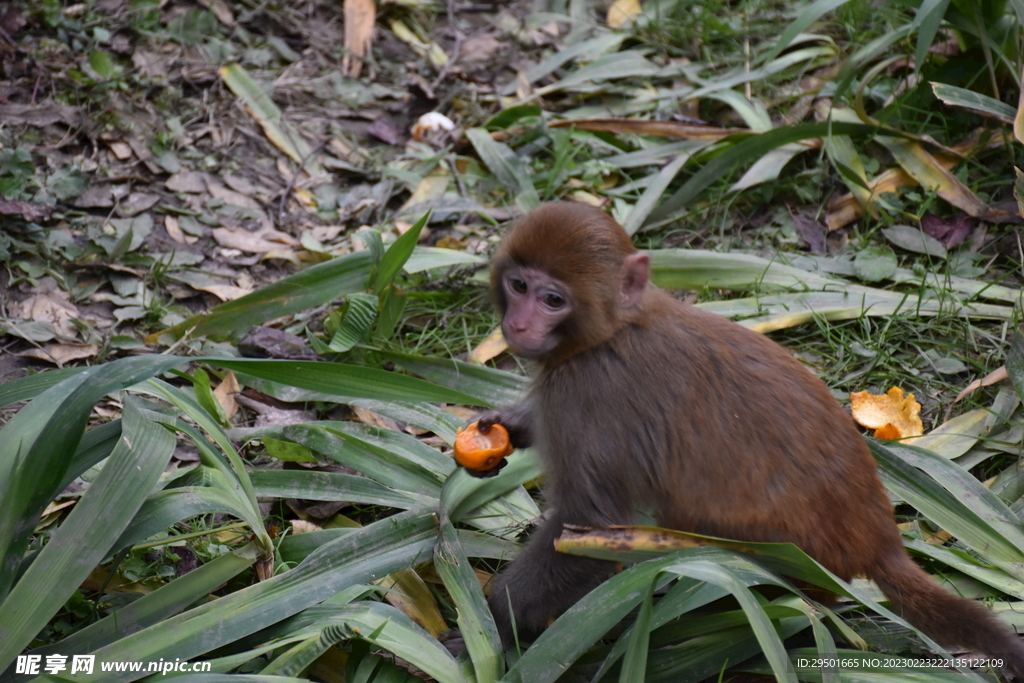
641	399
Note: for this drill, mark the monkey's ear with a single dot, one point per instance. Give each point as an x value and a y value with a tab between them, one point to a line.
634	280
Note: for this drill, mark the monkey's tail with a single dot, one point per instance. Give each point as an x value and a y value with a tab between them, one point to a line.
950	620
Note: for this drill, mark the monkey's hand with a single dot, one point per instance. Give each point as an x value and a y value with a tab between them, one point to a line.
486	474
517	419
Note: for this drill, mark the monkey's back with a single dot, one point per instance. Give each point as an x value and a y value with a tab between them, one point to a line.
737	438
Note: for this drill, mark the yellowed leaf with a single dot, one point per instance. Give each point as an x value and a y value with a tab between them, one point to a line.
410	594
53	510
933	175
329	667
360	17
955	437
490	347
621	10
1018	120
653	540
226	392
371	418
225	292
845	209
894	415
449	242
260	105
461	412
422	47
301	526
432	186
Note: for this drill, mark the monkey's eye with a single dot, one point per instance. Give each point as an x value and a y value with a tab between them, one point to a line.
518	285
553	300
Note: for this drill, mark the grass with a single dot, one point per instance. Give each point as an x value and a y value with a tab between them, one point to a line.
762	65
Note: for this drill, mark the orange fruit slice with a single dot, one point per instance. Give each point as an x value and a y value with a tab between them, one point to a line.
475	450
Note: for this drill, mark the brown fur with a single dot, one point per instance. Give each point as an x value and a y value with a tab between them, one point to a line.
715	427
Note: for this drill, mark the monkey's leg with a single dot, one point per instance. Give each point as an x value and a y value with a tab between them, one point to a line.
541	584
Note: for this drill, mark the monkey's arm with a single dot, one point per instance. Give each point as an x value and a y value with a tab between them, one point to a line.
517	419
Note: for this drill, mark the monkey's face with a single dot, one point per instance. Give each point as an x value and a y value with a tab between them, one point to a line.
536	304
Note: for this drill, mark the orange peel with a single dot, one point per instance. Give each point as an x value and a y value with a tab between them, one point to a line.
893	415
481	452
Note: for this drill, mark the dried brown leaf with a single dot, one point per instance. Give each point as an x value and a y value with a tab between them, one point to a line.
997	375
121	150
221	10
173	229
262	242
30	211
193	182
59	354
53	306
42	114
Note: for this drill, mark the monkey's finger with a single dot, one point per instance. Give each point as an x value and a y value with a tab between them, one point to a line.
485	420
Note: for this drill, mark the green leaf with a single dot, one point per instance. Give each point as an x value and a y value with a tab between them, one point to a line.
278	130
914	239
314	485
345	380
397	254
748	149
103	64
205	397
808	15
30	386
311	287
392	306
508	117
951	497
486	385
969	99
506	165
359	557
697	269
166	508
654	191
357	317
287	451
426	258
76	547
634	668
875	263
165	601
474	618
386	628
929	18
38	444
589	49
